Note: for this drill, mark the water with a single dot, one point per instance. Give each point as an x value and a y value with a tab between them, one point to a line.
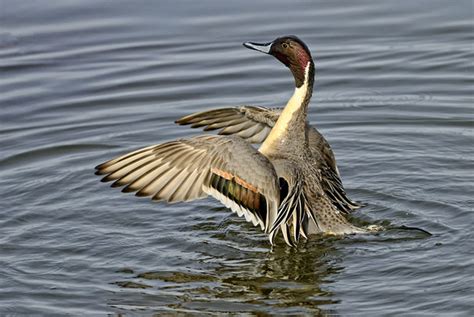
84	81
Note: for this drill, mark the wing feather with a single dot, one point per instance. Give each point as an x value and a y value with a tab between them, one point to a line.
260	120
225	167
244	121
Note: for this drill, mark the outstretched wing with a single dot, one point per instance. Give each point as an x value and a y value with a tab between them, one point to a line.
253	123
225	167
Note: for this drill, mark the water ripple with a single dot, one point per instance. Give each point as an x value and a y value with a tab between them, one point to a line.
83	82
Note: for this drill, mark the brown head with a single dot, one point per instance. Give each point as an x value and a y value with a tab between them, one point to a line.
292	52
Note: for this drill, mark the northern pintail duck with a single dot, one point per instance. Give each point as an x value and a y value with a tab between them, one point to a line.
290	184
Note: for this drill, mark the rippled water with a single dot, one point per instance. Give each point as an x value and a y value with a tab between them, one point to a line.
84	81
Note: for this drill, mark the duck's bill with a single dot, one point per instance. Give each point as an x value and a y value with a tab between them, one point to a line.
264	48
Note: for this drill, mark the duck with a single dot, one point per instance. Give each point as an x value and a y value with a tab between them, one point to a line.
290	184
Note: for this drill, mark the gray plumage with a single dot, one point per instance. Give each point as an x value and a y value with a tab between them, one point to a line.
182	170
253	123
291	184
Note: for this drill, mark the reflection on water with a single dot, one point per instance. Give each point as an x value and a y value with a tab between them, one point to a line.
251	277
249	281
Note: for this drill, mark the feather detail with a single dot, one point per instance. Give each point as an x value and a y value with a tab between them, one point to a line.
190	169
254	124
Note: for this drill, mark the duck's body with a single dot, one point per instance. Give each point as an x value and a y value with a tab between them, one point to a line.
254	123
290	184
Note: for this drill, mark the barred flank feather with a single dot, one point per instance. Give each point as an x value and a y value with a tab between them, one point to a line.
291	213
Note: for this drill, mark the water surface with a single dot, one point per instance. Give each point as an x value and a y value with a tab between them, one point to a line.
84	81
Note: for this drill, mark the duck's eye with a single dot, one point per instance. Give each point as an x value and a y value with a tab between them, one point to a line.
285	45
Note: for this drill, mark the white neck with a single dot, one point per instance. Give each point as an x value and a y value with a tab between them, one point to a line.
282	125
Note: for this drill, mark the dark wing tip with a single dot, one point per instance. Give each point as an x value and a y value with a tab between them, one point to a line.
184	120
106	179
128	189
99	167
190	118
142	193
208	128
117	183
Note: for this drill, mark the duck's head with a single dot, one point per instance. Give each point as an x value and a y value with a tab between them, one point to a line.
292	52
